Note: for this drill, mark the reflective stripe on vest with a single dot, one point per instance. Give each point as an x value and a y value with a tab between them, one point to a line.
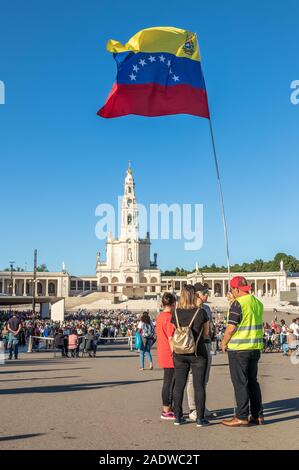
249	334
251	327
246	341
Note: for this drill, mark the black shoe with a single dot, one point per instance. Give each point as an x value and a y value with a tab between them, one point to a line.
200	423
179	421
256	421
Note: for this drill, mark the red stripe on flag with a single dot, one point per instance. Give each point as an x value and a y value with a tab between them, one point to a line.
152	99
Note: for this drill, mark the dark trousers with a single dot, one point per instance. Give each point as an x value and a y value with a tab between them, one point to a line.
168	384
243	367
182	366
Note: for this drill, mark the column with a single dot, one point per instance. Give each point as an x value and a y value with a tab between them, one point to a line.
58	284
13	286
47	287
223	288
213	287
83	285
3	285
266	288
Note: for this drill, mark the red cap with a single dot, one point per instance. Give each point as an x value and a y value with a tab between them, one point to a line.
239	282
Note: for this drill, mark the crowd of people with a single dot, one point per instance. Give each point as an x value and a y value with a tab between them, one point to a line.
80	331
109	324
280	337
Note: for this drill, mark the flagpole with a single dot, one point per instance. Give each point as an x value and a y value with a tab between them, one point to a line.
220	191
221	199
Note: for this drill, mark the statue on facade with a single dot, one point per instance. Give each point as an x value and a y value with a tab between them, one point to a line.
281	265
153	264
130	256
63	267
98	258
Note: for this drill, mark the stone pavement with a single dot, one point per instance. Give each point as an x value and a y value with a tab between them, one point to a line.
107	403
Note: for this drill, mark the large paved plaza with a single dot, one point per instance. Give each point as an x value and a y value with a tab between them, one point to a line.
107	403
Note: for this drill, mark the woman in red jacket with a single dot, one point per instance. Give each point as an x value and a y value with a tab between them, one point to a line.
164	331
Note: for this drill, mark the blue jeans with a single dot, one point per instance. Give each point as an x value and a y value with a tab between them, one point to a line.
14	346
283	340
145	350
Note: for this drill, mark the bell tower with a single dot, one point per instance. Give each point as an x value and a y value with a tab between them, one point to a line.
129	216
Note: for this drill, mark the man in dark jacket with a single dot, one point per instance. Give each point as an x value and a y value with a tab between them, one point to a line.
60	342
14	326
91	343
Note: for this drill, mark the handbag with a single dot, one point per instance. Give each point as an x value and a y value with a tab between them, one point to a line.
138	340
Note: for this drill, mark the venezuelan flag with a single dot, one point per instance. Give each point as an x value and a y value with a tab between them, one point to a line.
158	73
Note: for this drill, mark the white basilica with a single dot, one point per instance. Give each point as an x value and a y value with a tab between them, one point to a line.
128	268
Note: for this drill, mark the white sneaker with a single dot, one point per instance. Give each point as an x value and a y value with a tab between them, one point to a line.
193	416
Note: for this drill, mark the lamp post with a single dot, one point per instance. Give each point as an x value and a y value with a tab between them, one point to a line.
11	263
34	282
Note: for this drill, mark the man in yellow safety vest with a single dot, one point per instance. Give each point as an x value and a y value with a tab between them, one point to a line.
243	338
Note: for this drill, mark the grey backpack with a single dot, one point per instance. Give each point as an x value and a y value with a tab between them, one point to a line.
183	338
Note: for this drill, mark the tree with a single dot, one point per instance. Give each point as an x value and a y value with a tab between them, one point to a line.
16	269
291	264
257	265
42	268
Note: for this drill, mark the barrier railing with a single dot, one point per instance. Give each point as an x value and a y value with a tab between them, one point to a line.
105	338
42	338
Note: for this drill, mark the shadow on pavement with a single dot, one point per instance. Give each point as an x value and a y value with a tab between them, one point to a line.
272	408
37	370
114	356
40	362
41	378
21	436
73	387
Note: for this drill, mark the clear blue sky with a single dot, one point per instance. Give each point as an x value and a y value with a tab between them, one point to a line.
59	160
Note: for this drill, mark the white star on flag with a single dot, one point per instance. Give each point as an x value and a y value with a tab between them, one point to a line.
170	71
168	63
135	68
132	76
142	62
152	58
162	58
175	78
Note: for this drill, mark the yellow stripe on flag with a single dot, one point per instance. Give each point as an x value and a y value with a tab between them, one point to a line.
175	41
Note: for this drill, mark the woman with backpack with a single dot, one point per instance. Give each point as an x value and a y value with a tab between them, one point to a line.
147	332
189	353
